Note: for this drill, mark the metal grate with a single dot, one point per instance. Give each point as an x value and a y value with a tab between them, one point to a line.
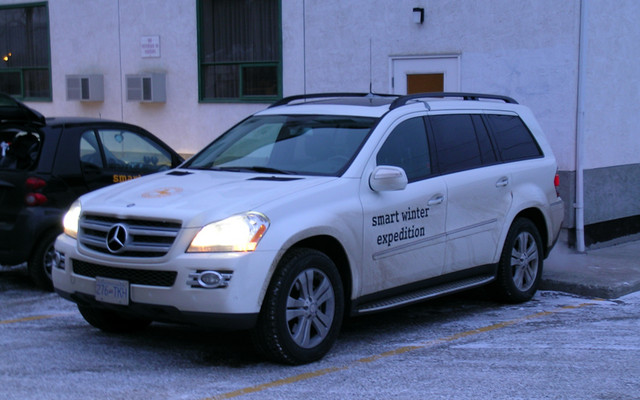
146	238
135	276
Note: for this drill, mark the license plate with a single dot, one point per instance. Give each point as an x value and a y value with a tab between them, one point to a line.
112	291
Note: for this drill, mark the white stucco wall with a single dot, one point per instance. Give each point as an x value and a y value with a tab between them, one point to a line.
612	90
103	36
524	49
532	59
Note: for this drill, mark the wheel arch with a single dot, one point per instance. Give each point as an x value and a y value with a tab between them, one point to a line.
536	216
330	246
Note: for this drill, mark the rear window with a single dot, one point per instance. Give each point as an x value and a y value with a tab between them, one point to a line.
513	139
19	149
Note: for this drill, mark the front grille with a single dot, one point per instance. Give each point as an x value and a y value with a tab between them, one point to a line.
145	238
135	276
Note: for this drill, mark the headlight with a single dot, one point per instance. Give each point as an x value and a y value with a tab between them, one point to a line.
240	232
71	218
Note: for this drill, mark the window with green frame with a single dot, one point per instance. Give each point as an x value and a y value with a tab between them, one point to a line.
25	64
240	56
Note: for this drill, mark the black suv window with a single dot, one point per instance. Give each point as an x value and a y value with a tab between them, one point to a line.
128	151
461	142
407	148
514	140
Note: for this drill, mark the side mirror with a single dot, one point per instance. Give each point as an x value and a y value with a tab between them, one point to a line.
386	178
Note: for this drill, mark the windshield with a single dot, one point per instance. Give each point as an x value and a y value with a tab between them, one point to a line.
288	144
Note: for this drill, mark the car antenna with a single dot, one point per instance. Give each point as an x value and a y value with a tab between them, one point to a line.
370	95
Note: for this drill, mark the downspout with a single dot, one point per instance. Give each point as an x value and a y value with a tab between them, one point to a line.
120	64
304	47
579	204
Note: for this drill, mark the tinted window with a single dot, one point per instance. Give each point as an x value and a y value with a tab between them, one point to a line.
456	142
513	139
486	148
90	150
407	148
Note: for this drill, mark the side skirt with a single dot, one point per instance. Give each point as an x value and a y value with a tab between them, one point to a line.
425	290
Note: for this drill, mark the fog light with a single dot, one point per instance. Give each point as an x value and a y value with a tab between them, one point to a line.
58	260
209	279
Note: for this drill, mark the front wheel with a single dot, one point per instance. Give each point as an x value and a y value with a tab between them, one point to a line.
303	309
520	267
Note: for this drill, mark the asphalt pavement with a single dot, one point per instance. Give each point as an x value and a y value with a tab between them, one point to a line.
606	272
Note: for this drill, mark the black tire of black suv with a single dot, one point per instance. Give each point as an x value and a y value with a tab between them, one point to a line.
289	308
42	260
520	265
112	321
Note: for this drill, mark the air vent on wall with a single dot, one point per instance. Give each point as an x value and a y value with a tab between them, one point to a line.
85	87
146	88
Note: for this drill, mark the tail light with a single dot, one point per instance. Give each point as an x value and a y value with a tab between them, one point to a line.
556	183
33	197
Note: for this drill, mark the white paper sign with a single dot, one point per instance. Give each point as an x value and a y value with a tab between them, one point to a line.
150	46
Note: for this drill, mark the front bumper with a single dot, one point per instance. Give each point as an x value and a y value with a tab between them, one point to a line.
235	306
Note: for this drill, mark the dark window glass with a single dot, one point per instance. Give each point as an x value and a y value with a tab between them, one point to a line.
240	54
487	153
456	142
24	51
513	139
407	148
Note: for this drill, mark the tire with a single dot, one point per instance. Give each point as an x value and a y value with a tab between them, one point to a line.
302	311
112	321
520	265
42	260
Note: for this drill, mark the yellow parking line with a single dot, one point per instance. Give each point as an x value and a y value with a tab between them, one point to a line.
391	353
32	318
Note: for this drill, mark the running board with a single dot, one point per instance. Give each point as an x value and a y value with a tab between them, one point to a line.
424	294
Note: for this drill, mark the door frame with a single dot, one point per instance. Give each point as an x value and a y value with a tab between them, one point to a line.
447	64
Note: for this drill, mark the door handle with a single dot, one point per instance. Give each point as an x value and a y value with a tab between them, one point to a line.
435	200
502	182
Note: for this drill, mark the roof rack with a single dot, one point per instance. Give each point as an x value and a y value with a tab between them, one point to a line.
465	96
290	99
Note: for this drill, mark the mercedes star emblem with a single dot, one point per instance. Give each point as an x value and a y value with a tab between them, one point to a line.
117	238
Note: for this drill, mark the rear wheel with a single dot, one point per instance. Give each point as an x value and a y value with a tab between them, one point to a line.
112	321
42	260
520	268
303	309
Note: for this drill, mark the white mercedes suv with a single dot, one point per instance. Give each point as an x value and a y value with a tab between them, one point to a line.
319	207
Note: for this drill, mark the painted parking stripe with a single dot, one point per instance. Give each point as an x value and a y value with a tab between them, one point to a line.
391	353
32	318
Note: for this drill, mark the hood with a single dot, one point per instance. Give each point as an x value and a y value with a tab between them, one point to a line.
11	110
195	197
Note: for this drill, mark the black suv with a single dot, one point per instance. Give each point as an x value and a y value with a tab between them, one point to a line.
46	163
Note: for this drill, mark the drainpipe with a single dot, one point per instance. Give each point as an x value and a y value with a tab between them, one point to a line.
579	204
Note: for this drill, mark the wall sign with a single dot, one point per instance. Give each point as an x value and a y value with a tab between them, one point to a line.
150	46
